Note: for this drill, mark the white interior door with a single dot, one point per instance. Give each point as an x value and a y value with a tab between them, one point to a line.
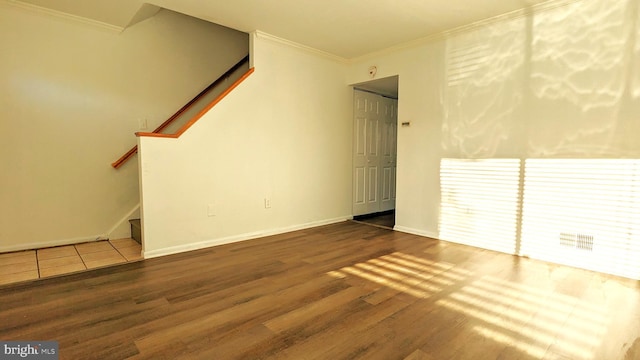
373	153
366	154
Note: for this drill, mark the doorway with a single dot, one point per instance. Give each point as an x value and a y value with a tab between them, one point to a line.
375	121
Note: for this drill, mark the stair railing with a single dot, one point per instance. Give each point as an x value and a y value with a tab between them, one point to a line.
157	132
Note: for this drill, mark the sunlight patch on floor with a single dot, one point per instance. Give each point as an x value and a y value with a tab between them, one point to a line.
508	312
405	273
531	319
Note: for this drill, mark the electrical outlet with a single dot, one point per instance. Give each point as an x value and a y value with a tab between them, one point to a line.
267	203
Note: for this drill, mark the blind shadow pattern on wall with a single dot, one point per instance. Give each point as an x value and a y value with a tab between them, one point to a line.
539	136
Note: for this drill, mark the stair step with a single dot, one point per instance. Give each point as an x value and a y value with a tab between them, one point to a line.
136	230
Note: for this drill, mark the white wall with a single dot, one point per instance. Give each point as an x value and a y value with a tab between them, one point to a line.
284	133
72	94
419	151
563	82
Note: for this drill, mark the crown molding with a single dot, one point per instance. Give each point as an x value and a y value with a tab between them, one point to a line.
308	49
61	15
512	15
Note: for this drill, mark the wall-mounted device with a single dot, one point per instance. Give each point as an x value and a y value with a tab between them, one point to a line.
373	70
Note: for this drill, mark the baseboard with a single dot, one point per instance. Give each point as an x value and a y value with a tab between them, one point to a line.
409	230
237	238
45	244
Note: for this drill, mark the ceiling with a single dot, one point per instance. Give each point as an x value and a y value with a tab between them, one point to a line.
344	28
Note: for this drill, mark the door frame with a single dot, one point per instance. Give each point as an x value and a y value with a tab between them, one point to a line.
370	87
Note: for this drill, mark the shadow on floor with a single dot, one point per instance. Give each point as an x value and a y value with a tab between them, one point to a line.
385	219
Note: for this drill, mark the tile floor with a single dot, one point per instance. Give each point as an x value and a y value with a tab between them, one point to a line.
40	263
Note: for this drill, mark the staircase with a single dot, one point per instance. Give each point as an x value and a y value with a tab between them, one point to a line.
187	116
136	230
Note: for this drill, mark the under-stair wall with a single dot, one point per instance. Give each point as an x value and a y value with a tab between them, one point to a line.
74	95
284	135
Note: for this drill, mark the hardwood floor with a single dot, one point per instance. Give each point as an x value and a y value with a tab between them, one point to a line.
343	291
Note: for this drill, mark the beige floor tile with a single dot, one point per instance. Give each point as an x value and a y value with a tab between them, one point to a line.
136	257
65	269
102	255
130	251
63	261
104	262
17	257
91	247
15	253
123	243
56	252
18	268
17	277
30	264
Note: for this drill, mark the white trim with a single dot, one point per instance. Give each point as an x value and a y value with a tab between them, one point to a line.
412	231
60	242
512	15
237	238
123	220
62	15
295	45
